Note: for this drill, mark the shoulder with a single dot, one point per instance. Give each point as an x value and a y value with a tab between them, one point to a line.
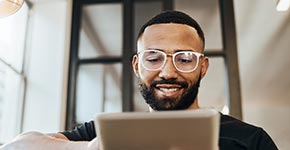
244	134
232	127
229	123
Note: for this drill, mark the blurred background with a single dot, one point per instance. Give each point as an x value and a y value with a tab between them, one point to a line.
64	61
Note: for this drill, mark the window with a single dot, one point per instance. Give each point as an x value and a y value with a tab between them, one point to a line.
12	83
104	33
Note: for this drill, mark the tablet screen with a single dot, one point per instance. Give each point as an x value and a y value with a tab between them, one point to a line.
165	130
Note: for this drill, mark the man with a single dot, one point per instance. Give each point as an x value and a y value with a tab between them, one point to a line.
169	65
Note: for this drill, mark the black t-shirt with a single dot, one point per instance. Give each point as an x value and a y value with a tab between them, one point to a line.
234	135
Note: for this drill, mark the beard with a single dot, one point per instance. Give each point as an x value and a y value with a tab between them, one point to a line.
182	102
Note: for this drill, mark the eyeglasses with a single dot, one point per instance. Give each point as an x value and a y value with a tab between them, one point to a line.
184	61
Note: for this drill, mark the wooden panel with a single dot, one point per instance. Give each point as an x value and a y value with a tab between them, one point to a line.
231	59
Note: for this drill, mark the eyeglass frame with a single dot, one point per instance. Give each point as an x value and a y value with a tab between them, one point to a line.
197	54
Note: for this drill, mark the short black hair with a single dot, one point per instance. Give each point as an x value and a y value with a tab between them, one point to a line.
173	17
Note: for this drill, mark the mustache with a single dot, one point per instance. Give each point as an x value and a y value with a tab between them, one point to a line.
170	81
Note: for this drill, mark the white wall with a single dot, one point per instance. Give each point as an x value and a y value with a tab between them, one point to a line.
263	48
12	45
47	66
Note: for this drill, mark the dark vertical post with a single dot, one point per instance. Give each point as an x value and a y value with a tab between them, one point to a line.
231	59
168	5
73	65
128	50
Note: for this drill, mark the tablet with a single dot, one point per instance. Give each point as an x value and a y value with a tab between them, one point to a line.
164	130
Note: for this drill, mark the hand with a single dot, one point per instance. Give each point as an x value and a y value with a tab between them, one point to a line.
37	141
22	141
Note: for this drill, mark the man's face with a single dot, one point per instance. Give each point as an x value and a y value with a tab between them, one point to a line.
168	88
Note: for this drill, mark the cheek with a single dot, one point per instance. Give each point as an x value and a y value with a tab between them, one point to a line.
192	78
147	76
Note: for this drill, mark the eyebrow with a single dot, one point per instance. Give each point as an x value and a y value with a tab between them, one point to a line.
175	51
182	50
155	49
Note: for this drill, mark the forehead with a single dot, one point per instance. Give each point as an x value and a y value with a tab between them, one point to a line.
170	36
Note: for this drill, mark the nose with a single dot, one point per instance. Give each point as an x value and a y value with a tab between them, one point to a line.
168	71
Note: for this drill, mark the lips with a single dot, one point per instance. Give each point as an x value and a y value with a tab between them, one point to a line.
168	90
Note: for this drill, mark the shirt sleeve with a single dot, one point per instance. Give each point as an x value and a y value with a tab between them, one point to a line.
84	132
265	142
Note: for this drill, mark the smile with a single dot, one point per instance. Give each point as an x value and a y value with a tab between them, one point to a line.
168	90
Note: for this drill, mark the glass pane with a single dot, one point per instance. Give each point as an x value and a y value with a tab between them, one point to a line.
12	38
207	14
98	90
212	93
101	35
11	88
151	9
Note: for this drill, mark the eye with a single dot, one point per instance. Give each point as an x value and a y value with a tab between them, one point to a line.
153	59
184	60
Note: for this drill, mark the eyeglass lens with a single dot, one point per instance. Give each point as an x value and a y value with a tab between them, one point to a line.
153	59
185	61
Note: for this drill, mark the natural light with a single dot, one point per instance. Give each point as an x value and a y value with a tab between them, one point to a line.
12	49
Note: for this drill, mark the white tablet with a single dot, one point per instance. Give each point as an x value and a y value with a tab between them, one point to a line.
166	130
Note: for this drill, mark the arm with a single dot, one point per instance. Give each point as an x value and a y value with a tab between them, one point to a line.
37	141
58	136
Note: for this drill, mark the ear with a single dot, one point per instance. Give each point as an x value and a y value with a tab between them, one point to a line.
204	66
135	65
